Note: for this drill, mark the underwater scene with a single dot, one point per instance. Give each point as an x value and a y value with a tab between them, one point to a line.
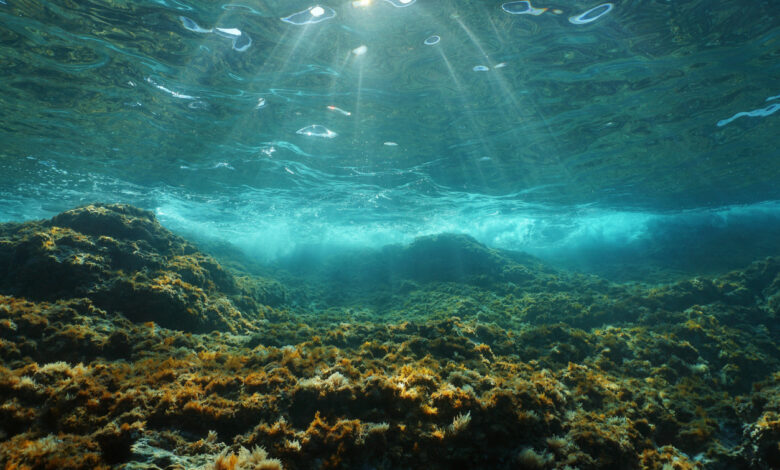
389	234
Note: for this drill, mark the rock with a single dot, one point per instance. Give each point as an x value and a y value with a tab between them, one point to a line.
122	259
120	221
445	257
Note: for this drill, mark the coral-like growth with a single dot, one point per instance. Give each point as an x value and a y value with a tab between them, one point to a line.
255	459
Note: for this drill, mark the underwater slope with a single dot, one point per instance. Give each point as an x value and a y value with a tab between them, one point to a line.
123	346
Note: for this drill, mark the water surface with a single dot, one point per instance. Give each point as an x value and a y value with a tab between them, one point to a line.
544	132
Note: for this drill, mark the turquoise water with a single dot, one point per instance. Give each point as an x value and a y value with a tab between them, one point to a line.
586	132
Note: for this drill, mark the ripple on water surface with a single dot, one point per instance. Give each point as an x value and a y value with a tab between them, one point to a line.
400	3
313	14
522	8
191	25
592	15
241	40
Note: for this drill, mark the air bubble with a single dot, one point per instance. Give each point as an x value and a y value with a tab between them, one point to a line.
432	40
242	43
480	68
592	15
316	130
311	15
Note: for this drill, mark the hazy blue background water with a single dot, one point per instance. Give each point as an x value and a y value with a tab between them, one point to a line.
611	139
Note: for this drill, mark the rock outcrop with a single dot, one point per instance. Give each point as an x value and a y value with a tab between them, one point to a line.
123	260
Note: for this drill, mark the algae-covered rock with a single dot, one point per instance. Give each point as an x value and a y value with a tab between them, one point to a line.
455	257
122	259
444	257
120	221
761	444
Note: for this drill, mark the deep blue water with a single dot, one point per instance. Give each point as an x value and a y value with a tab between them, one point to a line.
644	130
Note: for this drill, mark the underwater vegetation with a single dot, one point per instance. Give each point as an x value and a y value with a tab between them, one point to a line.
123	345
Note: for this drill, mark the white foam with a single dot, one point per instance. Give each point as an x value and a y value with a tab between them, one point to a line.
270	232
